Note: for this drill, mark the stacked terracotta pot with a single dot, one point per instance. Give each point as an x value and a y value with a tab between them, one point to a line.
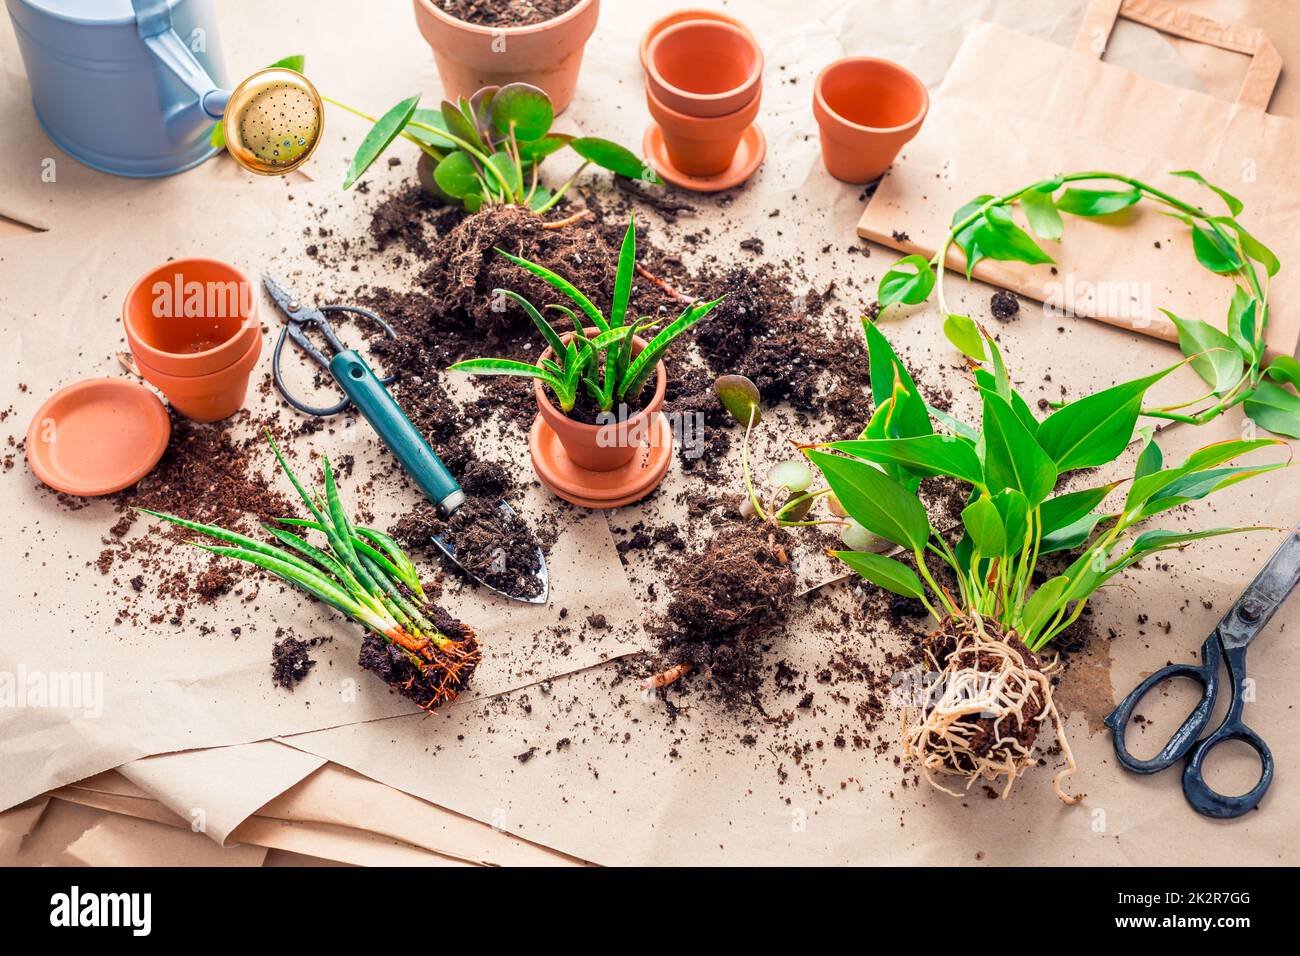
703	85
195	335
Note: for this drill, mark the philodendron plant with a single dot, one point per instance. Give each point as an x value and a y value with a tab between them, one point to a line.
1231	363
619	377
487	150
995	614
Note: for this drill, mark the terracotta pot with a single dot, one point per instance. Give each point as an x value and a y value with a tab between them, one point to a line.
704	68
868	109
701	146
191	317
601	447
681	16
206	398
470	56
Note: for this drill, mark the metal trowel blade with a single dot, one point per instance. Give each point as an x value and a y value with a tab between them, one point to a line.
540	597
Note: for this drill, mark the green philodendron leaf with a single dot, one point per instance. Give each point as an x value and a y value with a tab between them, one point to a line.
1210	456
1275	408
1097	428
378	139
739	396
1162	539
889	574
1251	246
984	525
1071	536
1151	459
1012	458
1042	214
1013	508
885	369
456	175
1235	205
524	107
1056	513
963	333
907	285
428	117
1213	251
1243	324
965	237
1199	484
617	159
1097	202
1284	369
926	454
998	237
999	383
955	425
1214	355
1042	606
876	501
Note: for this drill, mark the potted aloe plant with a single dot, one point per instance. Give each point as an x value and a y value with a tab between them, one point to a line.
991	691
605	381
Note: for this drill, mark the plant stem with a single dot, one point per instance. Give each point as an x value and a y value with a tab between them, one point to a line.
564	188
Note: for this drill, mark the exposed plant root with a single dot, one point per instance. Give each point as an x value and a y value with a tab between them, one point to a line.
421	670
653	279
666	677
580	216
981	719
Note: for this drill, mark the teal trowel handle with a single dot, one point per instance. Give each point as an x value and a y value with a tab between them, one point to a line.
396	431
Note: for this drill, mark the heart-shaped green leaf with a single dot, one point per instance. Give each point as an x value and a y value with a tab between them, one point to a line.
456	175
909	280
524	108
1043	216
984	525
1097	428
1214	355
966	336
1275	408
1097	202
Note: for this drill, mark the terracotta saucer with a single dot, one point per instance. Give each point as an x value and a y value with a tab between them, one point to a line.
749	156
97	436
601	489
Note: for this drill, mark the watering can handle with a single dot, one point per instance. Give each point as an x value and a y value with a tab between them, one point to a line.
154	23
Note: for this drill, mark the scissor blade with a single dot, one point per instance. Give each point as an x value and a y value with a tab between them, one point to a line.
287	302
1261	599
541	597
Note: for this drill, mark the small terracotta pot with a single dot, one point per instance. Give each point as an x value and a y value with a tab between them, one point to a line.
701	146
470	56
681	16
704	68
191	317
206	398
601	447
868	109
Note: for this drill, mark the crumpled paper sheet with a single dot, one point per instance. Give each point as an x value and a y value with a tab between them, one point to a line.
166	688
633	802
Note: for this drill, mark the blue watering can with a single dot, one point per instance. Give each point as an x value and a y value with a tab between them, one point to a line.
117	88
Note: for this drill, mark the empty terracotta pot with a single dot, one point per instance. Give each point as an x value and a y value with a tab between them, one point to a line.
698	145
602	447
206	398
704	68
191	317
868	109
470	57
681	16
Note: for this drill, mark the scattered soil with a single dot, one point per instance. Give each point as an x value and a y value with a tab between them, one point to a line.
726	601
290	662
490	544
1004	305
506	13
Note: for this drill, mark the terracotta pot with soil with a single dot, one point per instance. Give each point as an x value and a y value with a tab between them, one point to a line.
490	43
867	109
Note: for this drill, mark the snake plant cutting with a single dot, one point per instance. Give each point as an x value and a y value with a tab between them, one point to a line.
417	648
996	614
487	150
617	379
1231	363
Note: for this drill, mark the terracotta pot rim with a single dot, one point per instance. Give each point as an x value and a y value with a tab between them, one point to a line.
653	405
682	16
476	28
819	101
698	121
754	77
240	366
152	356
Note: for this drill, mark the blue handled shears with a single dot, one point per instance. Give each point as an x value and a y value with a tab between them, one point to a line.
1228	643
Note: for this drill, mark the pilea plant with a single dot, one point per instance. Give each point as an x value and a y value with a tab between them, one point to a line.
420	650
487	150
981	718
619	379
1231	363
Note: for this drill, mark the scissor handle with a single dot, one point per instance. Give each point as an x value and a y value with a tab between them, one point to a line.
1206	674
294	329
1203	798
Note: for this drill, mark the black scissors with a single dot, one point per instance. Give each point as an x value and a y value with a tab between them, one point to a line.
1241	625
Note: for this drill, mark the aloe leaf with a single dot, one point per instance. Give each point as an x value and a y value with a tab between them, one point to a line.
221	534
563	285
548	331
623	279
326	561
639	371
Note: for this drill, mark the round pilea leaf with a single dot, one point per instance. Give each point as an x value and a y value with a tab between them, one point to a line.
456	175
858	538
739	396
526	107
792	475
